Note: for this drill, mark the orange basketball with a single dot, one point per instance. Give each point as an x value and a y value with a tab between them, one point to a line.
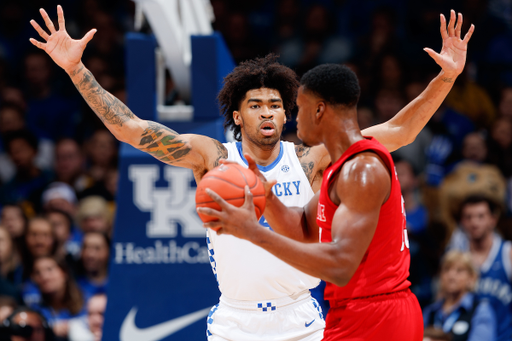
229	181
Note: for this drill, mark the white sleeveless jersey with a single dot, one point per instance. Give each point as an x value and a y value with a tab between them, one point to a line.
245	271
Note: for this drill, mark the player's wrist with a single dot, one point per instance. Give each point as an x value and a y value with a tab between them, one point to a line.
73	70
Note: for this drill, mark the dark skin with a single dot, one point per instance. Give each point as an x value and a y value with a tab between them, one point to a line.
201	153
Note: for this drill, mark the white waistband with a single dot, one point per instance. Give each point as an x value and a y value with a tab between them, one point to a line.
266	305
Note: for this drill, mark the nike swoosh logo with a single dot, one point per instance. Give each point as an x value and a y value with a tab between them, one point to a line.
310	323
130	332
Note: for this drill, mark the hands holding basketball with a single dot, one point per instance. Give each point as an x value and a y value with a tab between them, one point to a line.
452	57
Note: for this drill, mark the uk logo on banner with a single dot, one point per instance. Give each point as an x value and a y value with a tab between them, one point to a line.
161	283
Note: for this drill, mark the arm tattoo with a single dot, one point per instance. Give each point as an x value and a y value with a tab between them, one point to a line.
222	152
447	79
163	143
302	150
108	108
307	167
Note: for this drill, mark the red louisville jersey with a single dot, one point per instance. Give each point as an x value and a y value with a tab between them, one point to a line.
385	265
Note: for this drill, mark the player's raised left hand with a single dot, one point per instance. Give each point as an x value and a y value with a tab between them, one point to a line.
65	51
240	221
452	57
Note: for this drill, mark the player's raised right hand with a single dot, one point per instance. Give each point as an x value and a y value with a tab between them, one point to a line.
65	51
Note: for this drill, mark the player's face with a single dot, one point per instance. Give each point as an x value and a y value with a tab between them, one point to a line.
455	278
261	116
478	220
308	106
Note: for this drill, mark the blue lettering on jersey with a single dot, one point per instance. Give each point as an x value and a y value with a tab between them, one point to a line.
284	188
263	222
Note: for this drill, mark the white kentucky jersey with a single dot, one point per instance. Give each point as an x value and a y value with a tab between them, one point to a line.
245	271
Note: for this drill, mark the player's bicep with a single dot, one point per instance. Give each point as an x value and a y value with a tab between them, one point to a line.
387	133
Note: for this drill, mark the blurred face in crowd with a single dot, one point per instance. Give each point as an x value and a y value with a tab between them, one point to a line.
48	276
388	103
502	132
95	314
37	70
11	120
12	219
5	245
474	148
39	238
68	160
60	225
21	153
29	319
456	278
95	223
102	148
506	103
405	176
95	253
478	220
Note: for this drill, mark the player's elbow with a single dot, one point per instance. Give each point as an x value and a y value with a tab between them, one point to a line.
340	277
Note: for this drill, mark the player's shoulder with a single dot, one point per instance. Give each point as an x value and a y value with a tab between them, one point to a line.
365	167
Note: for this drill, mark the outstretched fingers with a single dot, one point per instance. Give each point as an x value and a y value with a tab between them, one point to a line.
88	36
248	197
38	44
60	15
444	32
218	199
47	21
458	27
451	24
469	34
39	30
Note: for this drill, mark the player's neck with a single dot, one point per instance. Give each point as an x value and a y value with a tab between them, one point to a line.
339	135
262	155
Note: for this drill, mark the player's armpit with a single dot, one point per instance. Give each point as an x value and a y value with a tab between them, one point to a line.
363	186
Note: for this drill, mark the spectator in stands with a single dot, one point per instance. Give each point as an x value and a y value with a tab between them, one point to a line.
15	221
29	179
459	312
40	242
505	105
60	196
10	267
7	307
70	165
61	297
94	215
101	154
49	115
68	238
491	255
26	324
91	328
500	146
12	118
94	262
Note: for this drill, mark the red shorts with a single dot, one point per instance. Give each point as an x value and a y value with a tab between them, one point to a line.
395	317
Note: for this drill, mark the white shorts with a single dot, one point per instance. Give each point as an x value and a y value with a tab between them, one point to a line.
285	319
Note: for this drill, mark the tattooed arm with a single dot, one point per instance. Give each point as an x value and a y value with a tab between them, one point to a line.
403	128
191	151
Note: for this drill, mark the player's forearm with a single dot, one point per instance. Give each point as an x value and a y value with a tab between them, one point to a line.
116	116
288	221
403	128
318	260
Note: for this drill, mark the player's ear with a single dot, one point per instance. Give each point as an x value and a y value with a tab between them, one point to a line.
320	109
237	118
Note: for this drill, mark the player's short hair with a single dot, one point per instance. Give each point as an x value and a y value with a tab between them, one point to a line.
258	73
334	83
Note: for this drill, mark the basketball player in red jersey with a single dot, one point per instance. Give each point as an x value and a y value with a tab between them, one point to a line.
358	215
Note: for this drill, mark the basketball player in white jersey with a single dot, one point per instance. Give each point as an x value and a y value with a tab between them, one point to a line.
262	297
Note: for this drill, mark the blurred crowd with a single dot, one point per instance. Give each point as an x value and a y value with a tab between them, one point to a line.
58	165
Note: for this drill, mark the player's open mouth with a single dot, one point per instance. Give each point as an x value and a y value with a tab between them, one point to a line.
267	128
